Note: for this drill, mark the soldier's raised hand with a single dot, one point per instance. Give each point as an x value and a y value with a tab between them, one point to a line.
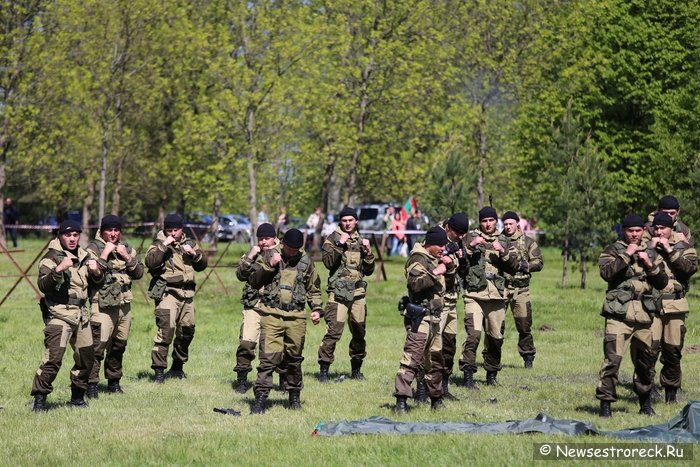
315	317
93	267
275	259
65	264
446	260
188	249
477	241
644	260
121	251
632	249
498	247
168	240
365	245
108	249
344	237
440	269
254	251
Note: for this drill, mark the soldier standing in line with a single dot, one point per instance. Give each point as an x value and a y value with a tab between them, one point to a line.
490	257
426	268
455	228
349	259
65	272
110	318
518	284
250	327
668	329
172	260
670	205
634	281
288	280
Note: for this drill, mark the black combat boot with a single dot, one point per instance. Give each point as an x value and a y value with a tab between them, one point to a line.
671	394
77	398
528	359
323	372
176	370
491	378
401	405
241	382
421	395
356	373
259	404
113	387
294	400
605	409
446	394
92	392
39	403
645	407
468	381
436	403
159	377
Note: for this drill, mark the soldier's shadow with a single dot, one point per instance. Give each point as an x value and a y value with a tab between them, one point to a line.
272	401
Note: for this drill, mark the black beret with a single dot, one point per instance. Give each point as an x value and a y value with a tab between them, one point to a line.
293	238
266	230
173	221
510	215
487	212
435	236
347	211
662	218
632	220
669	202
69	226
459	223
110	221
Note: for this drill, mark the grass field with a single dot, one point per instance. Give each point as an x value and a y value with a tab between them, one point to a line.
174	423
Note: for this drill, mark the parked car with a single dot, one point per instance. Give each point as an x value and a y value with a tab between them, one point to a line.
197	226
371	216
234	228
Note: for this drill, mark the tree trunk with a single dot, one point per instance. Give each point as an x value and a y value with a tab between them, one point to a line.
565	271
3	241
252	177
483	148
87	210
584	270
117	193
103	170
213	245
361	120
325	205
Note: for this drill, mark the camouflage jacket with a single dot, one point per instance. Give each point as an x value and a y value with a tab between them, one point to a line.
116	289
174	266
348	264
483	274
424	288
529	260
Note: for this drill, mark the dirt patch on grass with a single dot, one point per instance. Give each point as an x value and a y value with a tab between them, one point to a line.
546	328
695	348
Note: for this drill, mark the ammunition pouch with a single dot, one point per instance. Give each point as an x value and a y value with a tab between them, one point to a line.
344	289
157	288
651	302
616	302
110	295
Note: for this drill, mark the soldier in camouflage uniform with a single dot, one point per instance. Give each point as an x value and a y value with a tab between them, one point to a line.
670	205
349	259
518	284
668	329
633	297
111	305
455	228
426	269
490	257
172	260
250	327
288	280
65	272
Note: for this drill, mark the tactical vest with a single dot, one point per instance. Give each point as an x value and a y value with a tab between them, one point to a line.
620	294
477	278
521	278
250	297
62	294
431	298
111	293
287	291
347	276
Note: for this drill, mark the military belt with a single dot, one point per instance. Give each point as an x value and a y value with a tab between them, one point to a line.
79	302
182	285
672	296
287	307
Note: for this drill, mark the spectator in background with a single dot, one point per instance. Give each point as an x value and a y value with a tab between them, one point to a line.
329	226
415	222
311	225
522	222
10	217
398	239
388	220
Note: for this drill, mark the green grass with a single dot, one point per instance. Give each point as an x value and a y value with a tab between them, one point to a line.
175	424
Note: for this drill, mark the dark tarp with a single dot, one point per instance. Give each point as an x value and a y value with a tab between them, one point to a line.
685	427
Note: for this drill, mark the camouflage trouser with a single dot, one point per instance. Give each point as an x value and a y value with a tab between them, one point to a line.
248	340
668	335
110	332
618	336
519	302
175	319
57	335
448	331
422	353
486	315
281	346
336	314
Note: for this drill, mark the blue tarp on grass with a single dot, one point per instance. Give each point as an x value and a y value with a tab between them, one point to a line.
684	428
